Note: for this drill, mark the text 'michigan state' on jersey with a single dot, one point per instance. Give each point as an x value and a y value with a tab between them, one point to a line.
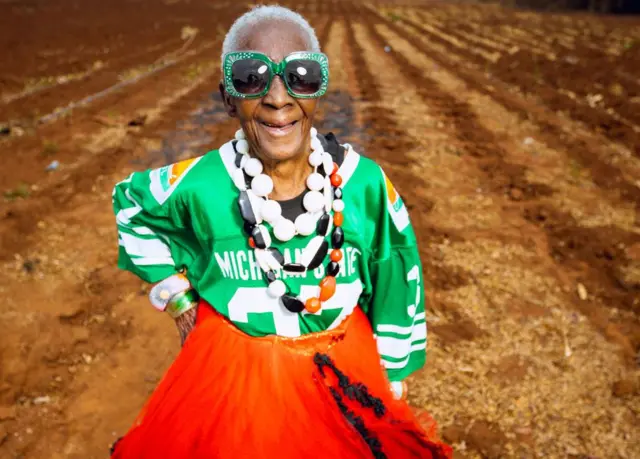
185	216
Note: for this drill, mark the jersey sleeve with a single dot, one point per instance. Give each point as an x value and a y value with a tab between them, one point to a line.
396	308
150	218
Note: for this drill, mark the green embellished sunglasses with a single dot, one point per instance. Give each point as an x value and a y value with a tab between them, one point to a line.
248	74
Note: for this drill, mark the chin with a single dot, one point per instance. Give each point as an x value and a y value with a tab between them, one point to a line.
281	151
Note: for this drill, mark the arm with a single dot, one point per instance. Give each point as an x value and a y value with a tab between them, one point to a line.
144	224
151	225
396	308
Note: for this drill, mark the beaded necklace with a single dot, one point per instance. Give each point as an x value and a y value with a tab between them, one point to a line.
324	196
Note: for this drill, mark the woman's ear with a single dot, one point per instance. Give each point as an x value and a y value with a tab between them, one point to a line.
229	106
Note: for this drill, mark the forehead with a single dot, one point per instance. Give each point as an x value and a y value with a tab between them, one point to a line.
276	39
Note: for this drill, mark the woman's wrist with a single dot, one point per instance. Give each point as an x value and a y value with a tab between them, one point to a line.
181	303
399	389
163	292
185	324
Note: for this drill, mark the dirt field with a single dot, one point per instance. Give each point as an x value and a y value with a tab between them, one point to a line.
513	136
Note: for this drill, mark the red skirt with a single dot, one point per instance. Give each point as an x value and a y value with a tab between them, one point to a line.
229	395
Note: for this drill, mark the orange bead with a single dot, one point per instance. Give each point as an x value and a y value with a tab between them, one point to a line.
327	288
252	243
335	168
338	218
336	255
312	305
336	180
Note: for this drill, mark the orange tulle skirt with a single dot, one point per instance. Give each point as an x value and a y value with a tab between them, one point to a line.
229	395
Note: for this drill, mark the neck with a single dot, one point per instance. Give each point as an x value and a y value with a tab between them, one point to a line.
289	176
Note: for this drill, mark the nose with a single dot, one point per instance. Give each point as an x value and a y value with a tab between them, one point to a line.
277	97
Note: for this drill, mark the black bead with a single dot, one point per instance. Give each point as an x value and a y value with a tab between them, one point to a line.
337	238
292	304
258	238
333	269
337	193
271	276
277	255
245	208
324	171
238	159
294	267
319	256
248	228
323	224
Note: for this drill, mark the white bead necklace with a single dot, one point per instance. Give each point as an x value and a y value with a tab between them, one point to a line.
255	207
317	200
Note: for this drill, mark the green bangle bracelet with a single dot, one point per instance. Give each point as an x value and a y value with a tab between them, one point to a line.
182	302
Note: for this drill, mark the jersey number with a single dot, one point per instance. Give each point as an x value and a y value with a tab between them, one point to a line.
248	300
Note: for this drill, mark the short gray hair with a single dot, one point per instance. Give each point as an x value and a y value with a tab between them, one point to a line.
262	14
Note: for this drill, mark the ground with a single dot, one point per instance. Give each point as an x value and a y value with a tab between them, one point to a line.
513	136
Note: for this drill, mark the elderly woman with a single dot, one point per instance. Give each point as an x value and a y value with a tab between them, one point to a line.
290	266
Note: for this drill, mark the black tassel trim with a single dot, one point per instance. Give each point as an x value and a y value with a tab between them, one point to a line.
354	391
356	421
357	392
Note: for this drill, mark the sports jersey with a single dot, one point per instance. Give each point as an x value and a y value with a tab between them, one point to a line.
185	217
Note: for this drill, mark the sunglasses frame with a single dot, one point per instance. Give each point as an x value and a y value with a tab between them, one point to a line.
275	68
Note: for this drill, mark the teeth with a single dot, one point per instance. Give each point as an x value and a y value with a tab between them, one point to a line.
276	126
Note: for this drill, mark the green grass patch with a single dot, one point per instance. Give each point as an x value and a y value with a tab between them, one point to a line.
21	191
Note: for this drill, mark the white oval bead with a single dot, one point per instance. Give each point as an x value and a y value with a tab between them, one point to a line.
313	201
311	249
315	182
242	146
238	179
316	145
276	289
327	162
261	258
253	167
338	205
284	230
240	134
315	158
313	132
330	227
328	194
267	238
305	224
272	262
271	211
243	161
262	185
256	205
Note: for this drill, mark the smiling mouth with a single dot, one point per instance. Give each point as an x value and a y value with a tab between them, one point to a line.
278	129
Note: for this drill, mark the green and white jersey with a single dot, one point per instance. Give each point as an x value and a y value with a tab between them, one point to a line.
185	216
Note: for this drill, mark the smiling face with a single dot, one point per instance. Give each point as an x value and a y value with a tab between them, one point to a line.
277	125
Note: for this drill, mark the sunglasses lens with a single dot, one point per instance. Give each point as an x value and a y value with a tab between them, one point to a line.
303	76
249	76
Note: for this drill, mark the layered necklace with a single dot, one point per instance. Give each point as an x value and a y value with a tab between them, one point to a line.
324	195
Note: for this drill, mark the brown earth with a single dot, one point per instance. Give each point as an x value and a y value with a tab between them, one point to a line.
513	136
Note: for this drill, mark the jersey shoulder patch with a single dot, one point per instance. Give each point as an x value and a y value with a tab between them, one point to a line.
395	206
164	180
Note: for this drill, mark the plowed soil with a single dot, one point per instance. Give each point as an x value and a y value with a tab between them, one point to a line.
513	136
